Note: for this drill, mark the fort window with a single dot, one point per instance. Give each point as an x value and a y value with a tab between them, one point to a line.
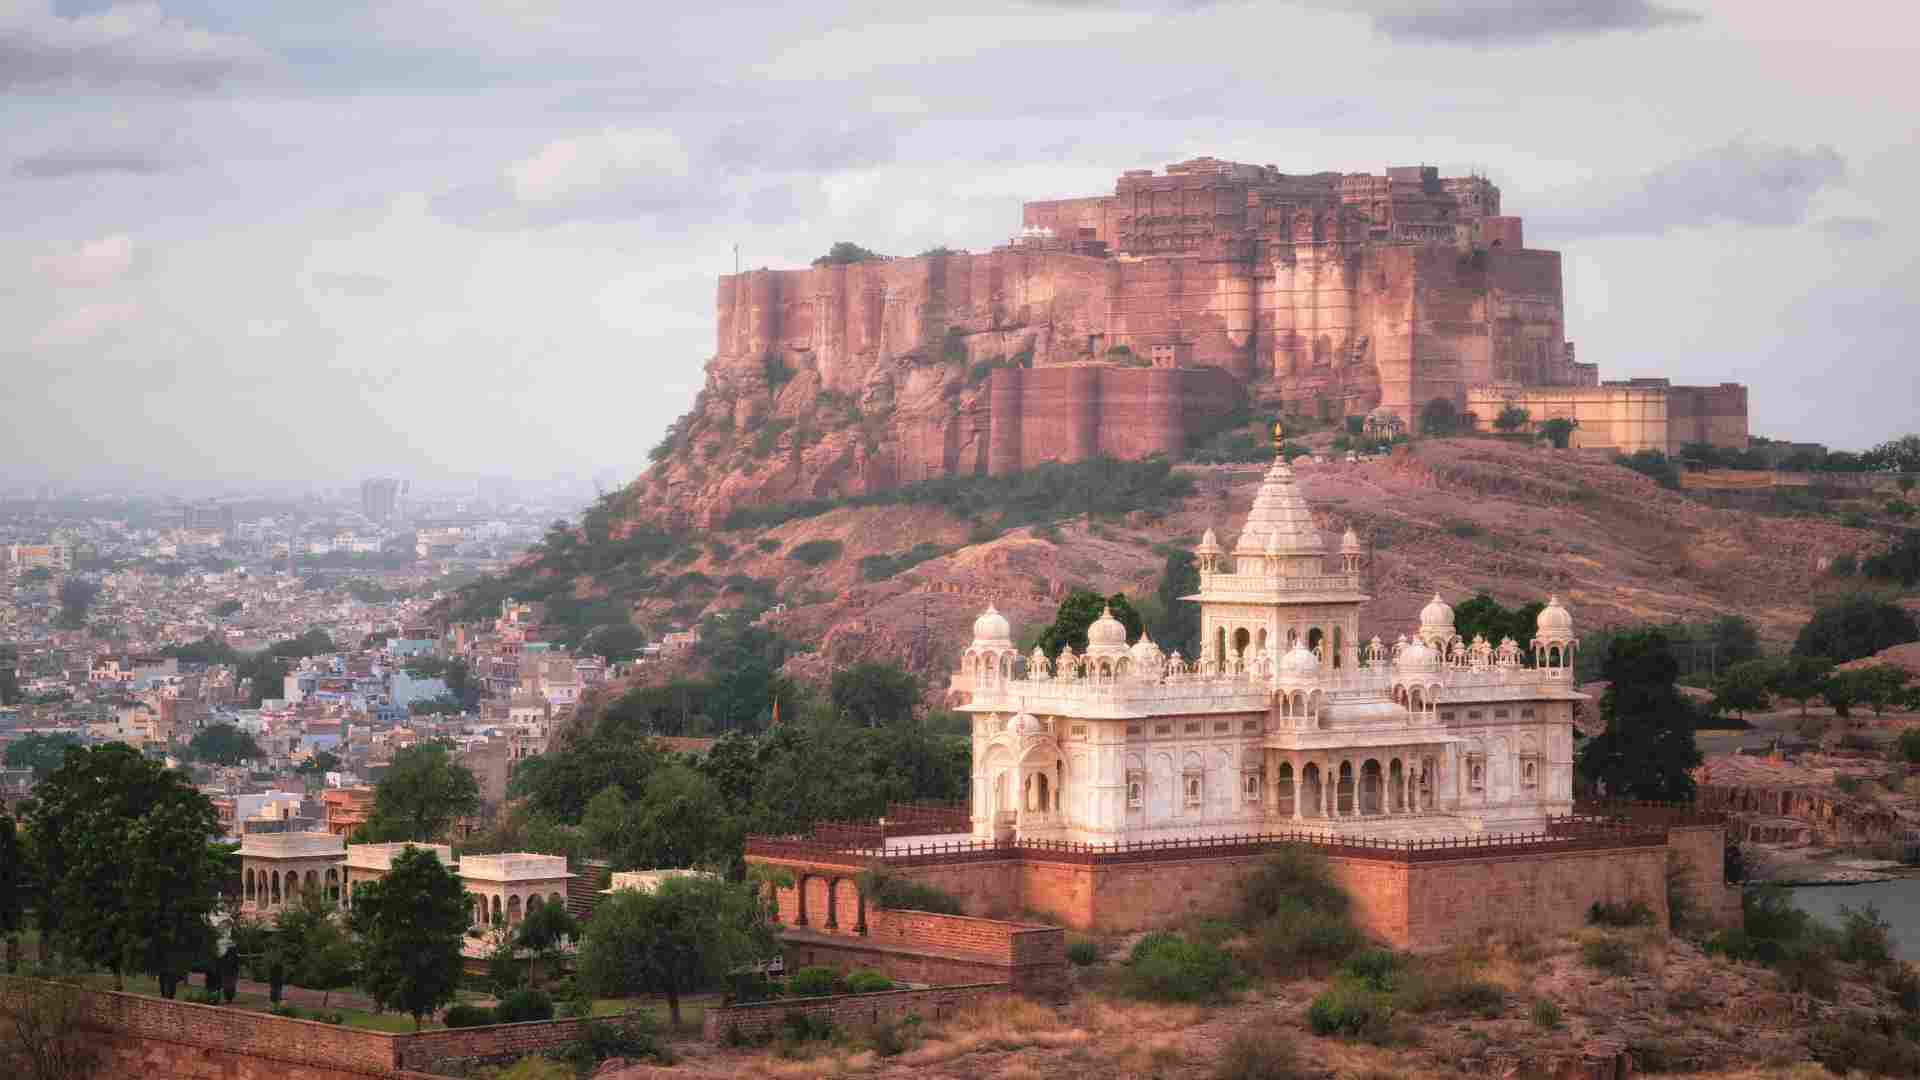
1193	789
1500	714
1476	773
1526	713
1136	791
1192	727
1475	714
1221	727
1529	772
1079	731
1446	714
1163	729
1250	726
1133	729
1251	784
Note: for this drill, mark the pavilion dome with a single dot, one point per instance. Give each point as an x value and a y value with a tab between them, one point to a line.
1107	636
1209	544
1350	542
1147	657
1299	663
991	630
1280	514
1436	616
1417	657
1555	620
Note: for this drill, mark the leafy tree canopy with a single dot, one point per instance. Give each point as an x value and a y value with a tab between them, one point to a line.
843	253
223	744
1483	616
1558	430
1648	748
41	753
680	938
411	923
1440	418
1743	687
1179	628
872	694
1081	609
1855	627
423	793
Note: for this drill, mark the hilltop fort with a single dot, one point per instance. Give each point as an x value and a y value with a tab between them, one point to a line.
1137	322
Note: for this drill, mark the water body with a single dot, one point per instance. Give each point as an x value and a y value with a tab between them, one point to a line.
1898	901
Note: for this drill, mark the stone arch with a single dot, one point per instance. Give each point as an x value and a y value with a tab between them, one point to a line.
497	914
1343	791
556	898
513	910
1035	795
847	905
533	904
1372	787
1396	787
1315	636
1283	803
247	888
477	909
1241	638
1315	700
1338	645
276	886
333	884
1312	791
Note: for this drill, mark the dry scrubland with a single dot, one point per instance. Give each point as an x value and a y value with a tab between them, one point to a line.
1457	516
1677	1010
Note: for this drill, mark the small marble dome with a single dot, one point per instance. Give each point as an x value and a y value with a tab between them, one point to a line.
991	629
1107	636
1147	657
1555	620
1209	544
1350	542
1299	663
1417	657
1437	615
1024	724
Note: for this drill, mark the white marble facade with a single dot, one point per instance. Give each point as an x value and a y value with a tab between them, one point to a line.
1286	720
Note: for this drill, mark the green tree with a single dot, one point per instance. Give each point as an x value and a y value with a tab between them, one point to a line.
559	783
1483	616
1080	610
544	932
13	890
1855	627
683	936
1558	430
1180	626
1512	418
329	958
843	253
679	820
126	879
1440	418
423	793
1647	750
1895	455
223	744
1841	692
619	642
410	924
1800	679
41	753
320	763
1743	687
1880	687
76	598
871	694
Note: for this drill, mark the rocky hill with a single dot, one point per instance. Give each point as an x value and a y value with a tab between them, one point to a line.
903	581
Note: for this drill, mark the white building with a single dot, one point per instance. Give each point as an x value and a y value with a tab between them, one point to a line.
1286	720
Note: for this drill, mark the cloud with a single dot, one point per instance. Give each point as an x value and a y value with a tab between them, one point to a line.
120	151
1741	183
86	323
98	262
353	284
1852	228
1488	22
128	46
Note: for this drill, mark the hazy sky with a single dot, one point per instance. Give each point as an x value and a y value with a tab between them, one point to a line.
302	241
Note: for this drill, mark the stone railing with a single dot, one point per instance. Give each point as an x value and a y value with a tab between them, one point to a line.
513	867
1219	585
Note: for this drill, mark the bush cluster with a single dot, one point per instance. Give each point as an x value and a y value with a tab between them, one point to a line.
1168	967
1804	950
464	1016
1295	914
523	1005
1620	913
1082	953
1610	955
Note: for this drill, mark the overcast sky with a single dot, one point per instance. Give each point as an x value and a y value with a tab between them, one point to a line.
298	242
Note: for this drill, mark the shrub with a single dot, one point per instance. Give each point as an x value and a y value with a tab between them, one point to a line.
1865	938
813	982
1465	530
1259	1053
1291	879
463	1016
1166	967
815	552
1861	1044
868	982
1611	955
522	1005
1082	953
1349	1008
632	1036
285	1010
1545	1014
891	1038
1620	913
1298	936
800	1027
206	997
886	890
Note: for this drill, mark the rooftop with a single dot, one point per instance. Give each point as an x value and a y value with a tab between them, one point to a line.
380	856
520	866
292	845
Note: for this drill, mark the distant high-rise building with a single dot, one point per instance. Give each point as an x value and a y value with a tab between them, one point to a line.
379	497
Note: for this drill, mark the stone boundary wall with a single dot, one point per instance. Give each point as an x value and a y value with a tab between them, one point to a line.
762	1020
253	1043
487	1044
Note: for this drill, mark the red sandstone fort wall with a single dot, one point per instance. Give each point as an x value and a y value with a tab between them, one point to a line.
761	1020
1455	903
1076	413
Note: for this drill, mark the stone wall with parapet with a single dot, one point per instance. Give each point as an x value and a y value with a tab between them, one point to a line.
1084	411
761	1020
179	1040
